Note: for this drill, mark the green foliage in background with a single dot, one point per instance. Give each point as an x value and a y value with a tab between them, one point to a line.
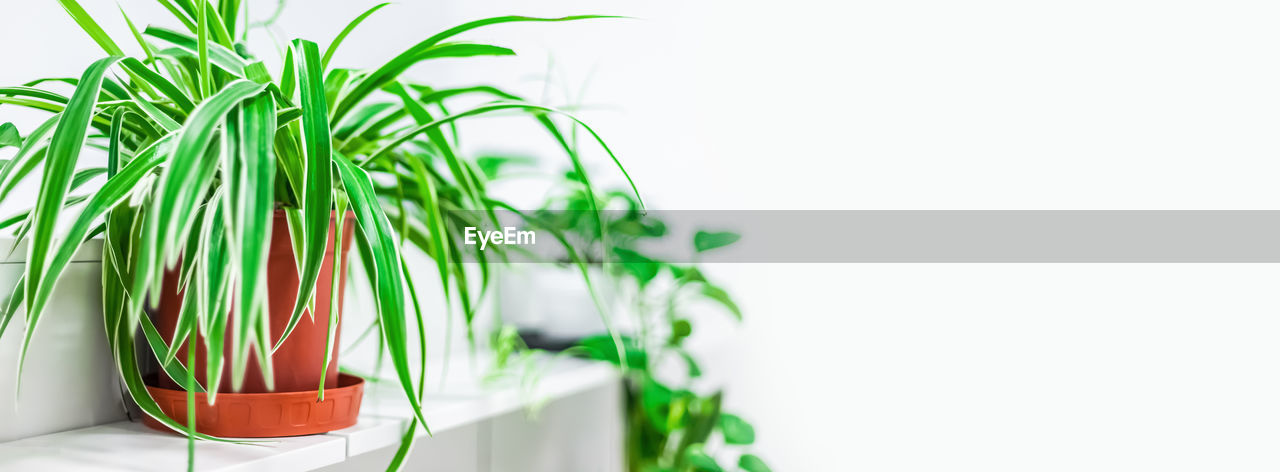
670	427
204	143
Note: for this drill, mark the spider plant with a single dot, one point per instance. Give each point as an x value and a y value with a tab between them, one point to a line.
203	144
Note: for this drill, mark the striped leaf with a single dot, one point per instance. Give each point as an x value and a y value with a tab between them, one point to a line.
187	176
318	190
337	41
375	236
63	154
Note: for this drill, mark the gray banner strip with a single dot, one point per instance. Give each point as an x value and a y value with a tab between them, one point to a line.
1012	236
965	236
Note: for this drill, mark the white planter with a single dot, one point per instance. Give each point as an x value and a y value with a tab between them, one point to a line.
554	301
359	313
69	380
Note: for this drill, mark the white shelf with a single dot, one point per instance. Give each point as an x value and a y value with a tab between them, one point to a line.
126	446
386	414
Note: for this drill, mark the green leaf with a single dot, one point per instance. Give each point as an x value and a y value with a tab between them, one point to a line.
430	201
705	241
220	32
28	157
9	305
655	400
181	15
686	275
389	72
736	430
642	268
422	116
137	35
191	303
215	264
540	113
172	368
335	287
252	208
431	48
492	107
219	55
91	27
115	190
334	83
161	84
127	363
376	239
257	72
288	75
602	347
701	413
719	295
690	363
9	135
700	461
492	166
680	329
33	93
290	162
406	445
202	52
63	154
318	190
151	111
228	12
752	463
189	171
337	41
113	146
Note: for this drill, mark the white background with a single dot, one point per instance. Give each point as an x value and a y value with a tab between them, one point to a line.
809	104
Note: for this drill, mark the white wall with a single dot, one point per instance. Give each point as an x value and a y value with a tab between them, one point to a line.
808	104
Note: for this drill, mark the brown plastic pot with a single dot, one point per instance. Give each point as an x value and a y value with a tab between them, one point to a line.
297	364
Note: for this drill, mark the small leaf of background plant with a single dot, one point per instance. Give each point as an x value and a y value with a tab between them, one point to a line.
601	347
752	463
736	430
705	241
643	268
700	461
9	135
719	295
680	329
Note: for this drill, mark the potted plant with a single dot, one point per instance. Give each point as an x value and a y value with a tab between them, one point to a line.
671	425
231	197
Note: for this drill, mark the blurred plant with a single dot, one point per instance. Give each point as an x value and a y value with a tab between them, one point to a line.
203	144
670	427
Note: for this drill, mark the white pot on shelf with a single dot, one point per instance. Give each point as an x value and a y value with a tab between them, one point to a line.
553	300
69	379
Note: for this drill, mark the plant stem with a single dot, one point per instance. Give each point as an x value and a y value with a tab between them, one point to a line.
191	405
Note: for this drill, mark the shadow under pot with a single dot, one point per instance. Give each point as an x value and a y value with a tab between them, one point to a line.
291	409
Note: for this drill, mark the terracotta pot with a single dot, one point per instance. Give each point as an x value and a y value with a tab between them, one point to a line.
265	415
297	364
